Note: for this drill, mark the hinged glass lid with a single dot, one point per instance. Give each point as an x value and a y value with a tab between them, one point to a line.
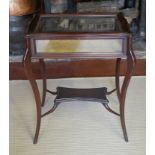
78	24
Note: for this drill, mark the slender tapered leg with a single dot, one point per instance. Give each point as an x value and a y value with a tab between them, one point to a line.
131	61
130	67
30	76
117	73
43	73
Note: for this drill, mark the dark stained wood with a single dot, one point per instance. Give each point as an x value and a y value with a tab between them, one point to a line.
35	34
43	73
30	75
86	68
77	66
131	63
117	73
71	94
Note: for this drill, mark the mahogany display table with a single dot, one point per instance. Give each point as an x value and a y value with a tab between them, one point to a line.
71	37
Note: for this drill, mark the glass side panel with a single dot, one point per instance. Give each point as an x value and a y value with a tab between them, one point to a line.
78	24
107	46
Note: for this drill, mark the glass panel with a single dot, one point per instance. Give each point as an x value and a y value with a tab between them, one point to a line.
71	46
78	24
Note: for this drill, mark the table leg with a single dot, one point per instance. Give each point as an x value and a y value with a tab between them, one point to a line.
43	73
131	61
28	70
118	62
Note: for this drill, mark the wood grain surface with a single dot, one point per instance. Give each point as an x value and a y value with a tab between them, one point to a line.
61	69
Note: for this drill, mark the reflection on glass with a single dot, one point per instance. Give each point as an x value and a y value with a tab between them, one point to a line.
72	46
78	24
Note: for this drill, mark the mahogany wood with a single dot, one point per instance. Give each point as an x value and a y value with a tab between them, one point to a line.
43	73
30	76
63	94
91	94
131	62
117	74
85	68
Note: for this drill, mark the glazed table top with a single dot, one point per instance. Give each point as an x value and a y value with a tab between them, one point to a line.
78	36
